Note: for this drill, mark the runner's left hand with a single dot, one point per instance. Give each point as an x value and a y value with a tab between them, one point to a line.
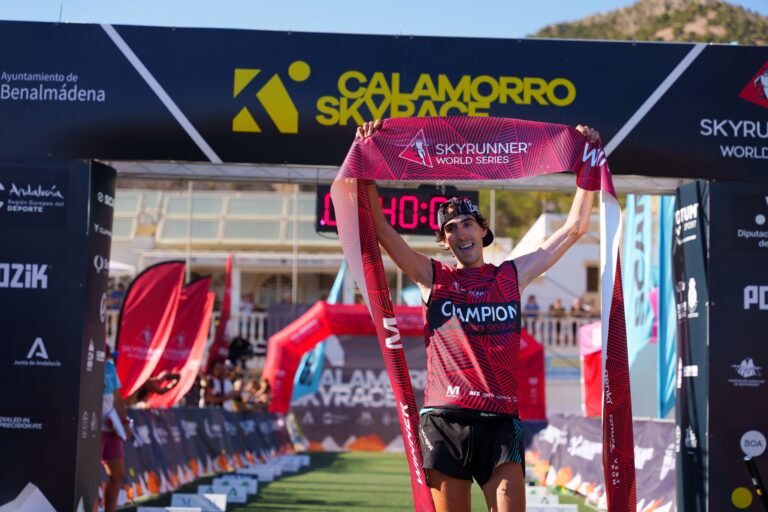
592	135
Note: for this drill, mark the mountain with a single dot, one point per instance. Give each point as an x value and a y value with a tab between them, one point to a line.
669	20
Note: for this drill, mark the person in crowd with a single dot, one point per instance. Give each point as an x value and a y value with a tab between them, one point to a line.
256	395
557	313
214	390
112	444
469	424
245	312
531	314
577	311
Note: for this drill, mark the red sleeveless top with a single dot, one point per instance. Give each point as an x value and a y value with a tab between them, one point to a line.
473	338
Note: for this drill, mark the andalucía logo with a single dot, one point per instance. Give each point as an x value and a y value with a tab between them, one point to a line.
756	90
417	150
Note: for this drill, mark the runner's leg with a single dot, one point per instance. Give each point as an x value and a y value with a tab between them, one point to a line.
505	491
115	470
449	494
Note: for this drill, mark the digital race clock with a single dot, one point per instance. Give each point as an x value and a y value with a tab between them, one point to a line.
409	211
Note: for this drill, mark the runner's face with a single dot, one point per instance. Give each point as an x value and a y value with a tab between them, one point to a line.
464	237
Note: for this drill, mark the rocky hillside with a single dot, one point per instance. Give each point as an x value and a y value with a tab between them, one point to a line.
669	20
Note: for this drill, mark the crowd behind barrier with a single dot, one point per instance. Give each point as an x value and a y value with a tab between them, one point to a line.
172	447
569	453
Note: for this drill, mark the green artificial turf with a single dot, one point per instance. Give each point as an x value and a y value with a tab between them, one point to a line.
351	481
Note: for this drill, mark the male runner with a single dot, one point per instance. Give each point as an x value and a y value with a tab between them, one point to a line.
469	426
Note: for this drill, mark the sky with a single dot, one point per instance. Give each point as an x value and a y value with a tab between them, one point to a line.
457	18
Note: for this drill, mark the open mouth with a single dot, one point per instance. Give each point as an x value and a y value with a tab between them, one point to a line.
466	246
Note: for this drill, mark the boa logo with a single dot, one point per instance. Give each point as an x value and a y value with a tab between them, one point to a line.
273	96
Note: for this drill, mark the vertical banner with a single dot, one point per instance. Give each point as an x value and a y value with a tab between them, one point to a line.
738	345
638	283
55	223
689	252
220	348
146	320
184	351
93	342
667	329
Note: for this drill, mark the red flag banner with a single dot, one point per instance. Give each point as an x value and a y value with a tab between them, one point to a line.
220	346
184	352
146	320
462	148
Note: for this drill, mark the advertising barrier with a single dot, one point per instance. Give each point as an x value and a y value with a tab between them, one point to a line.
56	224
172	447
568	451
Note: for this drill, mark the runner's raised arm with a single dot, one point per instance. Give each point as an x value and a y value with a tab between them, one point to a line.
415	265
532	265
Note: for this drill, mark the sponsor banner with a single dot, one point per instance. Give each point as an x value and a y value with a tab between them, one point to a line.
354	407
93	339
172	447
638	251
219	350
186	344
72	93
738	359
689	250
45	206
667	325
146	319
567	453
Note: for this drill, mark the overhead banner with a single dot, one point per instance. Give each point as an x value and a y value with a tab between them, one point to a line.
183	354
79	91
56	227
146	319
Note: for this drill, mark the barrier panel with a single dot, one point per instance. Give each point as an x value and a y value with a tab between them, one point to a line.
173	447
568	453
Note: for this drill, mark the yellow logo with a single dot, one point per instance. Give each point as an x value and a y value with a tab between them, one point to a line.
273	96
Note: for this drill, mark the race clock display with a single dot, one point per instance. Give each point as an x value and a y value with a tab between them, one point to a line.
409	211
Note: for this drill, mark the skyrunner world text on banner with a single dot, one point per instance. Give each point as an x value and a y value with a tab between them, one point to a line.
436	149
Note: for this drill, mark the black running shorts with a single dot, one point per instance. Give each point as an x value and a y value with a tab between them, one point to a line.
467	445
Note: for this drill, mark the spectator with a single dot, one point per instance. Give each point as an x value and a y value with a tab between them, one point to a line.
577	311
112	449
531	313
557	312
214	391
116	296
230	375
244	314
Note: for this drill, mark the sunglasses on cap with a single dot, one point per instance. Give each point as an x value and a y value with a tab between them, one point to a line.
458	206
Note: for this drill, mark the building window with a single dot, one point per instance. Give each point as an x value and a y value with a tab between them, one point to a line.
593	278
